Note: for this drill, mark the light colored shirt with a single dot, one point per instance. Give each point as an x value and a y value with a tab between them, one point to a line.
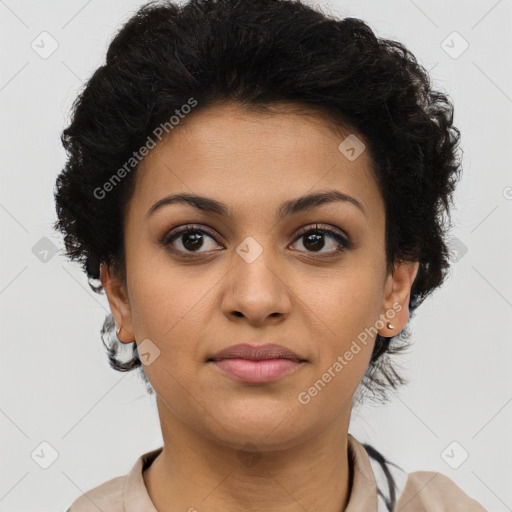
420	491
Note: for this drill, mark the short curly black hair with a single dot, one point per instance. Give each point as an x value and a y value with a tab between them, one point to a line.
261	53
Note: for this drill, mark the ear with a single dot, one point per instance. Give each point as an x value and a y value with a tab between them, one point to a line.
395	306
119	303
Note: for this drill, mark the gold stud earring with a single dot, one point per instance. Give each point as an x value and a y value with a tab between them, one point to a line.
390	326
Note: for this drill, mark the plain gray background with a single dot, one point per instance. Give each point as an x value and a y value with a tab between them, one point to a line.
56	385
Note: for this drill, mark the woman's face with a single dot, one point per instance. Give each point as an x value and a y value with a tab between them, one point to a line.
257	275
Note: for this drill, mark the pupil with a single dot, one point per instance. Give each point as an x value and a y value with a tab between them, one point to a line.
195	241
316	239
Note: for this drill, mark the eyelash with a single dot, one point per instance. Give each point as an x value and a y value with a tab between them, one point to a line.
344	243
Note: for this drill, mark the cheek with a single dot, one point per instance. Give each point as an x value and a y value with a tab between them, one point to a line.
166	300
343	345
341	315
343	303
170	312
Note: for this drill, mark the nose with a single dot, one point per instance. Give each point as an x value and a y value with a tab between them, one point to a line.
256	292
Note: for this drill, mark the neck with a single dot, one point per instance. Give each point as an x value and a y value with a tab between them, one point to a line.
196	473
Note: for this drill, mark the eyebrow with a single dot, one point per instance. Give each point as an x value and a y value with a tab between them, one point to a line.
291	207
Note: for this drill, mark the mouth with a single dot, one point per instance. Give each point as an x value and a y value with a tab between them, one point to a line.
256	364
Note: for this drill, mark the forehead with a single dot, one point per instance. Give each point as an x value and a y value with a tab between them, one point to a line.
246	158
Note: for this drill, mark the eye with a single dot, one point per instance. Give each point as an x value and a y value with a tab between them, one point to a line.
315	240
189	240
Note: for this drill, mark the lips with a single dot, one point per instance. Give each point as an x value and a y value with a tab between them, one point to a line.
254	364
256	353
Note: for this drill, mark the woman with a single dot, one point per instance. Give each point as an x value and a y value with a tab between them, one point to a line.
260	190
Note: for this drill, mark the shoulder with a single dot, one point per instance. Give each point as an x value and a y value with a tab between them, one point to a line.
112	495
107	497
418	491
427	491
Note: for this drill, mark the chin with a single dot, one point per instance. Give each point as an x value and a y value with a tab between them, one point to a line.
273	429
